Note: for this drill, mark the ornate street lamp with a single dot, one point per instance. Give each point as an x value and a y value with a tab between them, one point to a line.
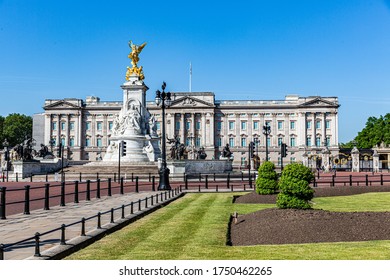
163	100
266	132
6	154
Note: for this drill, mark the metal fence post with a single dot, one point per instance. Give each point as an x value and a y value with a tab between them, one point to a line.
88	196
228	181
3	202
207	182
83	226
76	191
121	188
136	184
46	207
381	179
109	187
153	183
37	251
62	194
98	188
350	180
27	200
62	242
186	181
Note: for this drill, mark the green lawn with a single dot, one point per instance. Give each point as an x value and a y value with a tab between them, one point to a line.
195	227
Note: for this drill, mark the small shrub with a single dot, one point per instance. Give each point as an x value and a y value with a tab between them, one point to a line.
295	189
266	182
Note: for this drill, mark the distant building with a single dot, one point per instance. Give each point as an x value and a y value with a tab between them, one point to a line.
305	124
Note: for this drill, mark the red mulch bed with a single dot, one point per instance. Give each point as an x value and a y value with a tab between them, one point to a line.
292	226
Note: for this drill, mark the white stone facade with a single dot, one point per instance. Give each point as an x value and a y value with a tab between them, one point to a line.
305	124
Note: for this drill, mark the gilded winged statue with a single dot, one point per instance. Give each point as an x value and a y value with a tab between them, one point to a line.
135	51
133	55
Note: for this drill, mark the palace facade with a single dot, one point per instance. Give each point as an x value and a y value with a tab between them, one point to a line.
305	124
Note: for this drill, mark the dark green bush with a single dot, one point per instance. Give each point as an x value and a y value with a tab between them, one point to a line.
266	182
295	189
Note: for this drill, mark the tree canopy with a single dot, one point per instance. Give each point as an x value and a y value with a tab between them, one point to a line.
376	132
15	128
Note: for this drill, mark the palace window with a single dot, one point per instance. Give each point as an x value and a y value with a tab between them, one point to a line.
54	125
71	142
256	125
327	141
88	125
63	141
188	125
308	141
292	125
318	124
327	124
219	125
318	141
197	141
99	125
63	125
280	140
177	125
243	142
87	142
308	125
243	125
99	142
219	142
198	125
231	142
110	125
292	141
71	125
280	125
231	125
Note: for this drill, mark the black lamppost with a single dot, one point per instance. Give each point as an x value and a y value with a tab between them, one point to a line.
163	100
6	154
266	132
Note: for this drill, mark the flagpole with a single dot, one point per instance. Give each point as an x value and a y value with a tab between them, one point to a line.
190	77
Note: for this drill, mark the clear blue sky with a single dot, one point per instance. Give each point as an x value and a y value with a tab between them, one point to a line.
238	49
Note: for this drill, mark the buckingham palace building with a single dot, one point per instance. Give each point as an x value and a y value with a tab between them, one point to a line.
306	124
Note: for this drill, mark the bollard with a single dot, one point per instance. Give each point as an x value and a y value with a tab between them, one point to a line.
76	191
151	202
132	177
2	201
146	202
366	179
80	177
139	205
228	181
37	252
198	188
232	187
17	177
123	211
98	188
109	187
136	184
99	221
216	188
153	183
46	207
112	216
115	177
121	188
381	179
333	180
62	242
350	180
88	190
157	198
186	181
62	203
82	227
244	187
1	252
207	182
27	200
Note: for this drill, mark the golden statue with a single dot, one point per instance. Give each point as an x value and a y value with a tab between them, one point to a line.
133	55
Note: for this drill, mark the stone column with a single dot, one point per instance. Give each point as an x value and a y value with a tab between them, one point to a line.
212	130
182	127
249	127
79	128
58	129
274	131
375	161
324	129
301	129
67	136
204	143
261	135
93	130
237	132
105	130
355	160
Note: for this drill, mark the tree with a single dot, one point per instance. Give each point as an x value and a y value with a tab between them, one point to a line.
17	128
376	132
266	182
295	189
1	131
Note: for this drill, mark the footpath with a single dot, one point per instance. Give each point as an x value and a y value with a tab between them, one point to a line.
19	227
